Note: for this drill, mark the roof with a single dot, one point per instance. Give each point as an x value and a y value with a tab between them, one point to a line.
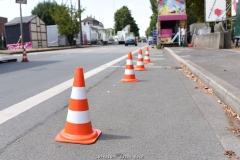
17	20
92	20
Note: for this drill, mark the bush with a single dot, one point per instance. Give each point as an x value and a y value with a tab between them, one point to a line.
158	47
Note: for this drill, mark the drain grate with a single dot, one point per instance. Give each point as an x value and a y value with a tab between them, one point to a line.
174	67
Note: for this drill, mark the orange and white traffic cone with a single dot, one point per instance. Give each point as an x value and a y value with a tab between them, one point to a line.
129	75
140	64
24	59
147	56
78	128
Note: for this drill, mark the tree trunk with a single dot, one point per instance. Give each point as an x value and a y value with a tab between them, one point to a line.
70	39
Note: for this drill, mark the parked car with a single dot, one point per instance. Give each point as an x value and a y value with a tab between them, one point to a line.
150	40
131	41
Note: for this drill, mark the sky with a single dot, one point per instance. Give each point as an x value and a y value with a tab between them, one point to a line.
103	10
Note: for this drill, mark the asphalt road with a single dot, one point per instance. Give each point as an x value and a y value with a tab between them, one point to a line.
162	116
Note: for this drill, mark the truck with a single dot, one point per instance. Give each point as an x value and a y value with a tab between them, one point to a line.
54	38
122	35
104	35
171	17
90	35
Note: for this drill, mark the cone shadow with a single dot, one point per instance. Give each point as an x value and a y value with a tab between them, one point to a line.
112	137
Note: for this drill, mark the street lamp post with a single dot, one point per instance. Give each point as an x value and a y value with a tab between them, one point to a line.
113	18
21	26
80	23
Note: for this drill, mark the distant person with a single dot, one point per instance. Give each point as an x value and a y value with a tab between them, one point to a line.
183	34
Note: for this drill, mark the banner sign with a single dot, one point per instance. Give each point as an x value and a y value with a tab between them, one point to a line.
27	45
215	10
168	7
234	7
21	1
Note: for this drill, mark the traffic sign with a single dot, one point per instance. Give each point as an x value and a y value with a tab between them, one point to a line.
21	1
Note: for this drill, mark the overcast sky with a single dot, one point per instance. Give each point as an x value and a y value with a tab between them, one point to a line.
102	10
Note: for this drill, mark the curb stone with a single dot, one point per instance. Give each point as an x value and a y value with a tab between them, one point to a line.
228	94
9	52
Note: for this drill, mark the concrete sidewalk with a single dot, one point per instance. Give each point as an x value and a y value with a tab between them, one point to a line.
218	69
161	117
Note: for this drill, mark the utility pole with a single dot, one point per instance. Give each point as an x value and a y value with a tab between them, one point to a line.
21	27
113	19
80	23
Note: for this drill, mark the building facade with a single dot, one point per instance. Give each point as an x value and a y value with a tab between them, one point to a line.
34	33
2	22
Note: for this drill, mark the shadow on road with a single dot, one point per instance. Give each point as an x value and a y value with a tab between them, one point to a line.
11	67
111	137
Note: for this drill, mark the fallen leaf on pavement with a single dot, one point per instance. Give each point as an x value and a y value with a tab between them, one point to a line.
230	154
196	87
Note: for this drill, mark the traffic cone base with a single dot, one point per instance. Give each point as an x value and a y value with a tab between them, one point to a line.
129	80
140	69
147	61
78	139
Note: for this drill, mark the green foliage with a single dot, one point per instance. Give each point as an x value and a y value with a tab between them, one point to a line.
122	18
158	47
66	19
154	6
42	10
197	7
153	18
192	17
148	32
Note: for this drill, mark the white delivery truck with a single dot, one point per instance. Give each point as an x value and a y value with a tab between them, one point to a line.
90	35
104	35
54	38
122	35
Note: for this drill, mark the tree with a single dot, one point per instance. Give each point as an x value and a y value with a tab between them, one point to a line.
192	17
197	7
123	17
42	10
67	20
153	18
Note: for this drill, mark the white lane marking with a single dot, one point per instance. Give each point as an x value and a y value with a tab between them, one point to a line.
78	117
17	55
158	58
185	56
156	55
31	102
88	51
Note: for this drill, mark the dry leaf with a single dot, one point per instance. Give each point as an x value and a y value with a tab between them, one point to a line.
230	154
